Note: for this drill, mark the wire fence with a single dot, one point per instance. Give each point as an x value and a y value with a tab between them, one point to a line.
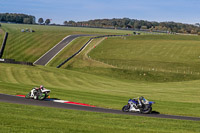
186	71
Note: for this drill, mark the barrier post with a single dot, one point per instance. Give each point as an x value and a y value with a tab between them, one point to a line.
3	44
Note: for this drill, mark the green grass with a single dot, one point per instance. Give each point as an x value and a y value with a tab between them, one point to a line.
151	51
1	36
152	57
178	98
24	118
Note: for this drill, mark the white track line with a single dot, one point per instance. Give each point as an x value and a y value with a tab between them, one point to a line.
60	101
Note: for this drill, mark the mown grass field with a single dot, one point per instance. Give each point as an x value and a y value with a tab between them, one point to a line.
153	57
106	75
29	119
1	36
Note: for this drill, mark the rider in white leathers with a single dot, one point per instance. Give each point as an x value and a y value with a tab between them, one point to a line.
35	89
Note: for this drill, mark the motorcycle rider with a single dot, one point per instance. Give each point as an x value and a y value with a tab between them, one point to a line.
42	87
139	100
36	89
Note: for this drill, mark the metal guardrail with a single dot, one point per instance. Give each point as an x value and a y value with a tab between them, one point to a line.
3	44
12	61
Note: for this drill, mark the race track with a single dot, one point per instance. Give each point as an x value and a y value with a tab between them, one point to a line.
21	100
48	56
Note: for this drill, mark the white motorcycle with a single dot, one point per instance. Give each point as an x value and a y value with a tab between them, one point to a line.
38	94
141	105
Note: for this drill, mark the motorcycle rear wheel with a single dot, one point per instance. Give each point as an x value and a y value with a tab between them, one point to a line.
147	111
42	96
27	96
35	97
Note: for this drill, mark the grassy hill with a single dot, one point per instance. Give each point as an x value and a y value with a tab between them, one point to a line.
158	58
151	51
106	75
154	58
25	46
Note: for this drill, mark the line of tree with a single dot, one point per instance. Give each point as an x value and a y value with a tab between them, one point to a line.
138	24
17	18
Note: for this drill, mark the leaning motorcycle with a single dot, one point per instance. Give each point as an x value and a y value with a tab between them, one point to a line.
132	106
38	94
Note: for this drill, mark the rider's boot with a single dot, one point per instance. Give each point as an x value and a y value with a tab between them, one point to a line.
32	92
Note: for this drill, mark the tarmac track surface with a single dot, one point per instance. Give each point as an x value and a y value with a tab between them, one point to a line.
21	100
48	56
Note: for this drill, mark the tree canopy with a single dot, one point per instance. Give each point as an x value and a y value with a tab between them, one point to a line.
138	24
40	20
17	18
47	21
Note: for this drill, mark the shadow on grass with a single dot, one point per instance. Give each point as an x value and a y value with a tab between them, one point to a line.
155	112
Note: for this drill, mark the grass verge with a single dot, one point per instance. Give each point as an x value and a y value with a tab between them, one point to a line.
24	118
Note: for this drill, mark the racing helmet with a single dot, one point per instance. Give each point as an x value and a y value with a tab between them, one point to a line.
141	98
41	87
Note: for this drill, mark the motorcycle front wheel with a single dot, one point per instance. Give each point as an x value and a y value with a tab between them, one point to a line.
125	108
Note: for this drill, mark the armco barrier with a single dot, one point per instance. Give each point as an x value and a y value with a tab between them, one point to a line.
85	46
12	61
3	44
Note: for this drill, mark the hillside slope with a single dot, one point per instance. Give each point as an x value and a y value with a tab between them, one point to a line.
27	46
